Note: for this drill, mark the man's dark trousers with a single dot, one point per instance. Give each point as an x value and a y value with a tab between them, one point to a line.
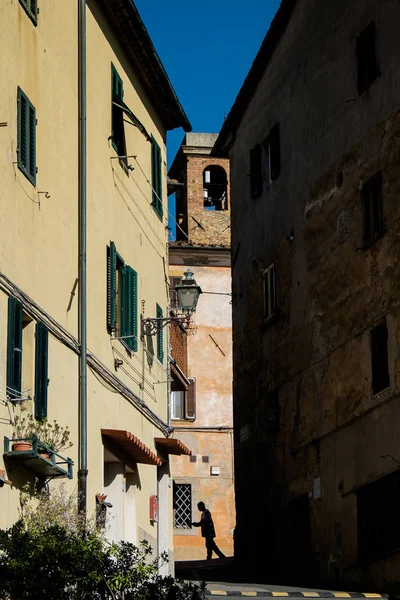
212	546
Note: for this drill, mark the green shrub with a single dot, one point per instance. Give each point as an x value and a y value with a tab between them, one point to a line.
51	553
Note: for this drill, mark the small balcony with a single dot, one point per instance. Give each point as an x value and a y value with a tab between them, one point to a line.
37	457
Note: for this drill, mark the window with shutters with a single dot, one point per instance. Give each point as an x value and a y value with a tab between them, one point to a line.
379	358
31	9
156	177
372	209
118	140
14	348
378	517
26	125
182	505
122	299
183	402
160	335
178	400
27	358
41	370
367	66
269	283
265	162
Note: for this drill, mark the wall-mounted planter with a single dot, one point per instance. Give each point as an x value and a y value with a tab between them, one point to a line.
37	457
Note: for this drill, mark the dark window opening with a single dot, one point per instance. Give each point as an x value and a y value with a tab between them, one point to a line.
265	162
215	186
269	291
379	358
372	208
118	140
182	505
378	517
367	67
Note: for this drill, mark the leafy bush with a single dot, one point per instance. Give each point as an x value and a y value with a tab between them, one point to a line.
50	553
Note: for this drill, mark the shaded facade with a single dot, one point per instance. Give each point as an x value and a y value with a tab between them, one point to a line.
313	139
127	120
201	359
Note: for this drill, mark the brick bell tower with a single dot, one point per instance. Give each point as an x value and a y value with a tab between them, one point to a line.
200	182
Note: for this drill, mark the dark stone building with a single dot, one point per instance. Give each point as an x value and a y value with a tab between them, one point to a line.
314	145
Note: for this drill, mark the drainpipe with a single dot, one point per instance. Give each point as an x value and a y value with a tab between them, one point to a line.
82	307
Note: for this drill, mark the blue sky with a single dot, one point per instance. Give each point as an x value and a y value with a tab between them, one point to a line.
207	48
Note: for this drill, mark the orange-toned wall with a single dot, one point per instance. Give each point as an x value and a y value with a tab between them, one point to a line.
211	434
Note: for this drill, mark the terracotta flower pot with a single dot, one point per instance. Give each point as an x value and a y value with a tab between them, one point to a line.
21	447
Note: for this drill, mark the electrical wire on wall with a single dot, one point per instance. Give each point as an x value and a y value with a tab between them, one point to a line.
165	206
137	205
34	311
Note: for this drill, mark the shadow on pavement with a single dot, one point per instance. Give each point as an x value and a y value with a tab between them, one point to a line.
216	569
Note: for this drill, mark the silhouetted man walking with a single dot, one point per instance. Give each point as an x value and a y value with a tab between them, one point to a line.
208	531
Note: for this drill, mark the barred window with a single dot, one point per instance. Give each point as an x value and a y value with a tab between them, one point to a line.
182	504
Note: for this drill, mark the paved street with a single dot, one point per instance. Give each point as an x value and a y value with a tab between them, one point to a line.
236	590
224	580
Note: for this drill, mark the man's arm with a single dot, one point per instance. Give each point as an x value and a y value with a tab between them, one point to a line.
197	524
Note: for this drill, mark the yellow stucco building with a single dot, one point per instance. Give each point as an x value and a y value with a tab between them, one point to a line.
84	111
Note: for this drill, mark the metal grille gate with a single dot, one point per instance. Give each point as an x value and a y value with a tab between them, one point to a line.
182	505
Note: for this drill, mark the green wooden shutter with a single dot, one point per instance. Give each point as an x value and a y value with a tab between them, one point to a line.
160	335
156	177
30	7
111	287
129	307
41	371
14	348
26	123
33	11
117	87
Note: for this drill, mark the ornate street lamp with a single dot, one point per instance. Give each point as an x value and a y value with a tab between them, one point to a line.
188	293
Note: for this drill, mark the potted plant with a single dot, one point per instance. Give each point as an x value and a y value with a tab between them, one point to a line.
50	434
22	431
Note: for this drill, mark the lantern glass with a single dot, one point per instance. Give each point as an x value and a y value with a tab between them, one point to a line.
188	293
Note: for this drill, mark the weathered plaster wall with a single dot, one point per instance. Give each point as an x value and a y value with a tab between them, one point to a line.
331	292
210	434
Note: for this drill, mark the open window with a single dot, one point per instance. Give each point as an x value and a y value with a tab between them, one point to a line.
215	187
367	66
379	358
119	110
